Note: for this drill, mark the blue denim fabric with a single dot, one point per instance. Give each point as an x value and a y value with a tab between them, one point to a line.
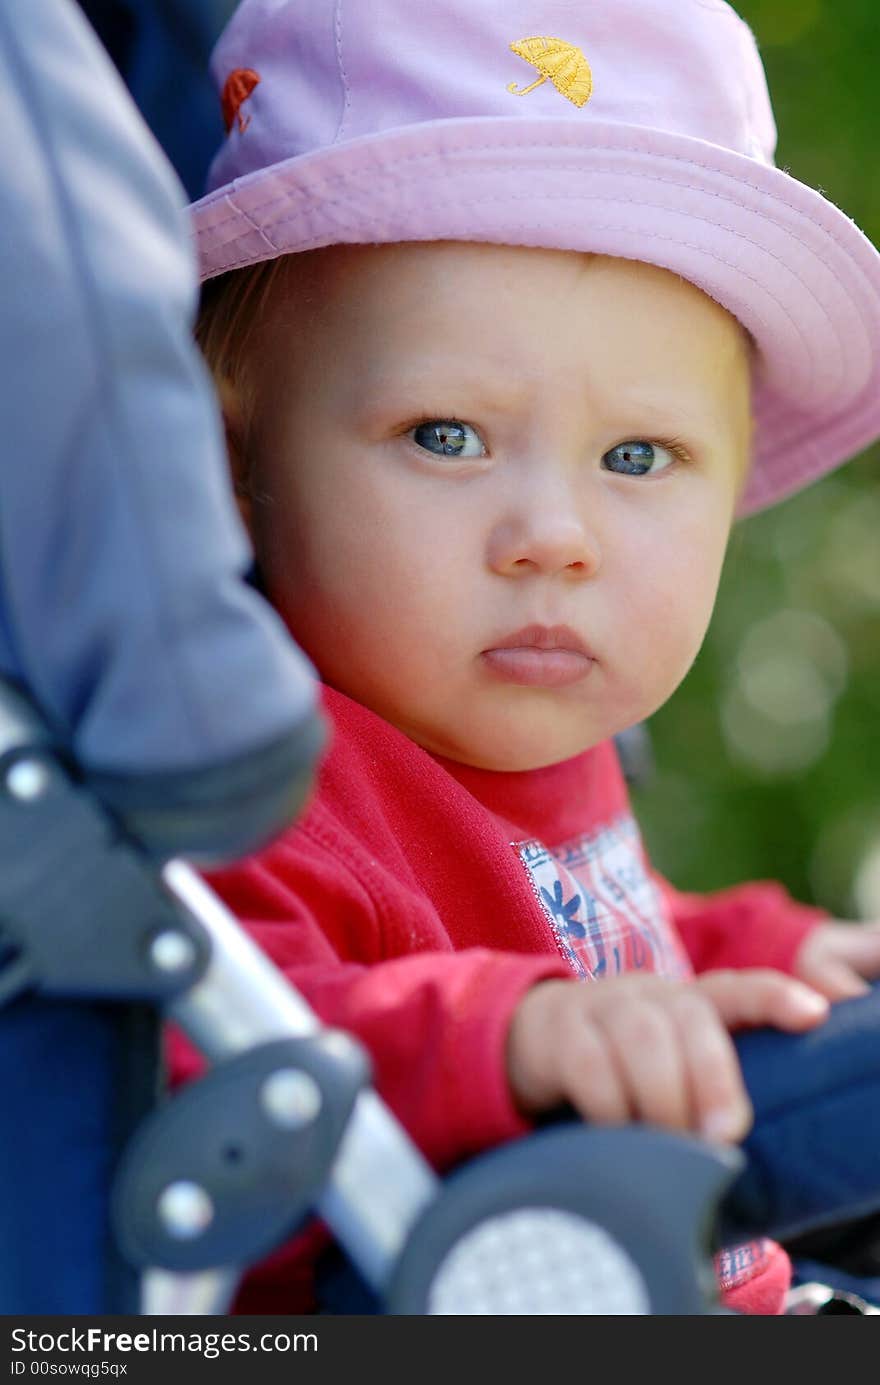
59	1071
814	1151
820	1272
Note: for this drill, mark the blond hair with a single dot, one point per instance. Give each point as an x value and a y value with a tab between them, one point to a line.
230	308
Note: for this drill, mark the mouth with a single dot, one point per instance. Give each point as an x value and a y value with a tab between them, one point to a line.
545	656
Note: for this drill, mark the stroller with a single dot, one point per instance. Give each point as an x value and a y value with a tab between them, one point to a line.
117	768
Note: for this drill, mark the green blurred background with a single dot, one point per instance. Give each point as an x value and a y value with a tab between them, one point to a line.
767	759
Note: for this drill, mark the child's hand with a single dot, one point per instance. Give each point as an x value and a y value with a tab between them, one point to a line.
645	1048
836	957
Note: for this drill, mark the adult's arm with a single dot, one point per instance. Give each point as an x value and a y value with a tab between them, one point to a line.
123	608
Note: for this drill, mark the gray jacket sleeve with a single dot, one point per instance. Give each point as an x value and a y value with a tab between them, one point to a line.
122	604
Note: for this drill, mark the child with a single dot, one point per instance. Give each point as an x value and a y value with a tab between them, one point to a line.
510	313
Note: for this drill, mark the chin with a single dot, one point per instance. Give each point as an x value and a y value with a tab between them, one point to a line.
508	763
515	747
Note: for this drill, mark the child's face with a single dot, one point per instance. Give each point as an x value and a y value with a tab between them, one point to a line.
456	444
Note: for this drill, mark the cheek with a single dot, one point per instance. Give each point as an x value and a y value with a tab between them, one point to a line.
671	602
358	571
325	567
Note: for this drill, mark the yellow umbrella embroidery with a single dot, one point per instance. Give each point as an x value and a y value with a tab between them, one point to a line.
565	65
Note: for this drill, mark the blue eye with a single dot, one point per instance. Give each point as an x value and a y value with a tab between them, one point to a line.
637	458
447	438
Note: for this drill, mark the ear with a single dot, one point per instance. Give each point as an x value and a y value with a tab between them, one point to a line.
239	467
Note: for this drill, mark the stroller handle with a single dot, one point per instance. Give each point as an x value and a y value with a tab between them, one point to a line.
242	1000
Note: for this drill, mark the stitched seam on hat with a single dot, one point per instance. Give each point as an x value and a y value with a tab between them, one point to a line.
258	229
330	179
799	435
672	240
805	432
688	187
724	197
340	61
519	148
638	202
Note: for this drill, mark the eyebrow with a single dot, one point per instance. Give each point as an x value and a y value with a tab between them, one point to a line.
478	387
466	387
670	412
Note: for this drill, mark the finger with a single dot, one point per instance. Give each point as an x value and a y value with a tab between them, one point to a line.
646	1048
833	977
760	996
719	1103
591	1078
861	947
868	929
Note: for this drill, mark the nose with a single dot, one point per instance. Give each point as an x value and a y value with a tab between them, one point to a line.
544	540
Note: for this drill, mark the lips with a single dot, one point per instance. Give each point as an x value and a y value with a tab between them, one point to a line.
548	656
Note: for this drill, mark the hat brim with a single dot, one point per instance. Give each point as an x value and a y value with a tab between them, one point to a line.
784	260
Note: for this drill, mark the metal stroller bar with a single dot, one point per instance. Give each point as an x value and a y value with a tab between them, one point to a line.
242	1000
216	984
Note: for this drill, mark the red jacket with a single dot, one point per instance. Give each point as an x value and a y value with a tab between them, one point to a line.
417	899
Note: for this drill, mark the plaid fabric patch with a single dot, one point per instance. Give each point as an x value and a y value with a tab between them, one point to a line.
605	912
608	916
737	1264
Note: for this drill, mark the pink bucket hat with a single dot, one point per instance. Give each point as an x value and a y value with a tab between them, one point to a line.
638	128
